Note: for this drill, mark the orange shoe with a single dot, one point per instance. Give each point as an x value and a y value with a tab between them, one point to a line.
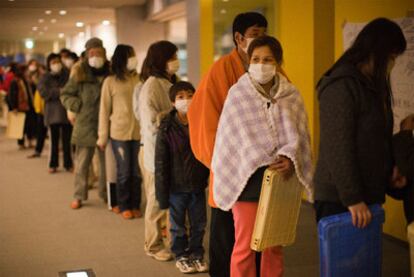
137	213
76	204
127	214
116	209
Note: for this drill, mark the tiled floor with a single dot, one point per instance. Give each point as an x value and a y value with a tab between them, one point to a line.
40	235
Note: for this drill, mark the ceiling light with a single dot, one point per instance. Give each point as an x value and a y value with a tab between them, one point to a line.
61	35
35	28
53	21
225	0
106	22
29	43
41	20
48	12
62	12
80	24
11	0
223	11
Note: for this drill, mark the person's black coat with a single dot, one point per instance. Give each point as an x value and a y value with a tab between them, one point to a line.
176	168
403	149
355	152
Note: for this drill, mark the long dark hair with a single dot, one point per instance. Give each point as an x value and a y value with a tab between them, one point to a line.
379	40
155	63
119	60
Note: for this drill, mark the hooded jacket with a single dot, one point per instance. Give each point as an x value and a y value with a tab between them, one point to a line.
176	168
355	153
81	95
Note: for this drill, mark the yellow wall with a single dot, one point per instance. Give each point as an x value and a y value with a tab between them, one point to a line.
364	11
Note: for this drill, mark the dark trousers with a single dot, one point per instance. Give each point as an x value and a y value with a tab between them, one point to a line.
324	209
29	127
55	130
193	203
128	177
221	242
40	134
408	203
405	194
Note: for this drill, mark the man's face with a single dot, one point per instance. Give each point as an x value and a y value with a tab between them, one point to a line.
96	52
250	33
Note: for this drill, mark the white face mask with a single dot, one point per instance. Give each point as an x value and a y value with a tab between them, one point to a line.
173	66
248	41
262	73
96	62
182	105
132	63
32	68
55	68
68	62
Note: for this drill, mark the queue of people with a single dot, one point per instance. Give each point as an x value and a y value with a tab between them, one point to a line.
171	141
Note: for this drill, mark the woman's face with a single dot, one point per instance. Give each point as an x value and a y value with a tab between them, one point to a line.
263	55
173	65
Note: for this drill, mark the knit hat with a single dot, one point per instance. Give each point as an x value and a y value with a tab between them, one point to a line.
93	43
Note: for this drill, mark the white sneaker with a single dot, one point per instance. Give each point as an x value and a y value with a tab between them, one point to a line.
185	265
200	265
163	255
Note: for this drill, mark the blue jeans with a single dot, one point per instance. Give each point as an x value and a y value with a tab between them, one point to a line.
128	183
193	203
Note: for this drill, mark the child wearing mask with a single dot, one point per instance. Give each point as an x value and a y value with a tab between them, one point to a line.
180	182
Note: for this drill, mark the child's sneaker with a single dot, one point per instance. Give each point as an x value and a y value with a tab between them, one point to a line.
185	265
200	265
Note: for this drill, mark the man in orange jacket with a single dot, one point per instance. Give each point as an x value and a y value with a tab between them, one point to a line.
203	117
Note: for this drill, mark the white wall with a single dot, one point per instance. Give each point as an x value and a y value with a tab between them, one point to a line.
105	32
193	41
133	29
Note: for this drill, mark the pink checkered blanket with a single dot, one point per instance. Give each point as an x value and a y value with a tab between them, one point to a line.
252	132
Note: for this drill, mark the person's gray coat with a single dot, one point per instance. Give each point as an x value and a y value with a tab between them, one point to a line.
49	87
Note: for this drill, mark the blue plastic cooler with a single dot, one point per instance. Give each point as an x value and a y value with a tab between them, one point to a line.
349	251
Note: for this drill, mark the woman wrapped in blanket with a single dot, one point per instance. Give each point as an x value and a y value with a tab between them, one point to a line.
263	124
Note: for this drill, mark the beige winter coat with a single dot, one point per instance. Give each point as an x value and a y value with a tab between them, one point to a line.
116	116
153	102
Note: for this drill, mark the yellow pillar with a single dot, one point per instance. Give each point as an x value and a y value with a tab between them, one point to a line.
305	29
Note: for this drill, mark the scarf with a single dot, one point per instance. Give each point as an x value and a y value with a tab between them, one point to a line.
253	131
